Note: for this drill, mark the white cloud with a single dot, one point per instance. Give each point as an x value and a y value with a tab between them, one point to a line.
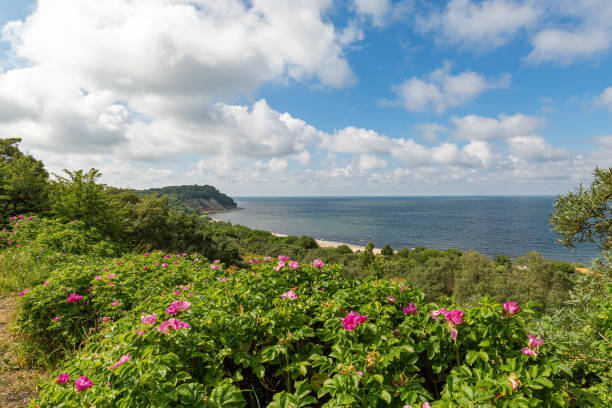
585	31
376	9
371	162
474	127
480	25
535	148
442	90
356	140
605	99
430	131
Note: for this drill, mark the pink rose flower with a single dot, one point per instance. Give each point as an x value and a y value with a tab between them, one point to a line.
115	303
105	319
98	277
283	258
318	263
23	292
223	279
62	378
294	265
454	317
164	265
56	318
150	319
172	324
83	383
410	309
534	342
289	295
511	308
434	314
214	266
178	306
123	359
352	320
140	332
73	298
528	352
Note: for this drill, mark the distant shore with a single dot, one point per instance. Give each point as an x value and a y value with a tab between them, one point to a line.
321	242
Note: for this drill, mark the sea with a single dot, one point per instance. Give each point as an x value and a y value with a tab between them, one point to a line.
492	226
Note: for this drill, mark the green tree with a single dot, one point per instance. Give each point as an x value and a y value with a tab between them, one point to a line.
23	180
387	250
79	196
367	256
585	215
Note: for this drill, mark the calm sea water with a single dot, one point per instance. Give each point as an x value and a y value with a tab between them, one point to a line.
489	225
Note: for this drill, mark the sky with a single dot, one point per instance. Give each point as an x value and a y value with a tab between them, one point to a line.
313	97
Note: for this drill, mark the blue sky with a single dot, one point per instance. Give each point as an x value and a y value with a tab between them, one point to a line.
322	97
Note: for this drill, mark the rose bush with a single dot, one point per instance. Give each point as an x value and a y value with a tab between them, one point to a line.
231	339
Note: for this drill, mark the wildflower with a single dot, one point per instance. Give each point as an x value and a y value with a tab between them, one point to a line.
56	318
118	262
534	342
318	263
294	265
83	383
45	283
528	352
410	309
166	256
164	265
140	332
454	317
146	267
214	266
104	269
510	308
289	295
105	319
98	277
434	314
63	378
223	279
426	405
360	372
73	298
146	254
196	260
281	264
110	276
176	292
115	303
176	262
283	258
111	284
352	320
125	358
150	319
514	381
178	306
172	324
23	292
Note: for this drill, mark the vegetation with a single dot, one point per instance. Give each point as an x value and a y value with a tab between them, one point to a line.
192	196
133	302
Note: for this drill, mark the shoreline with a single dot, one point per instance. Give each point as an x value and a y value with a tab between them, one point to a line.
333	244
321	242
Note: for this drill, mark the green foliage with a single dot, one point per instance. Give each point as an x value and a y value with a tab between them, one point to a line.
78	196
387	250
246	346
585	215
23	181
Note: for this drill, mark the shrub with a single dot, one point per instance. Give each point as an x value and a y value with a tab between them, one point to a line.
264	337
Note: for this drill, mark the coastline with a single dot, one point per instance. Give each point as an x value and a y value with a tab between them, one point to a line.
321	242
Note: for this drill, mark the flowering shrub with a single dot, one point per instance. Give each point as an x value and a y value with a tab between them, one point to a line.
248	341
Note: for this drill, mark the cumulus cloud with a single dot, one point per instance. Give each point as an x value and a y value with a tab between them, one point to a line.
430	131
605	99
377	10
442	90
474	127
479	25
535	148
585	30
370	162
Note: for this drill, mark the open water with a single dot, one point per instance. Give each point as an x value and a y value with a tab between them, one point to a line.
490	225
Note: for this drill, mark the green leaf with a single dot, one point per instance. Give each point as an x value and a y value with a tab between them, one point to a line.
385	396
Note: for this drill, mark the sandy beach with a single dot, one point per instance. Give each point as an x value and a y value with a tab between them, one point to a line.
329	244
